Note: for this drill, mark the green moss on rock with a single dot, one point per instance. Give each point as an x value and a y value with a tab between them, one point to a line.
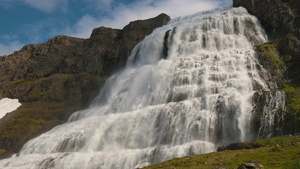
292	118
280	59
270	53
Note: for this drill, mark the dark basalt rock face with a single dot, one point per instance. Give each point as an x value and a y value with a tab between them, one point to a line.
278	17
61	76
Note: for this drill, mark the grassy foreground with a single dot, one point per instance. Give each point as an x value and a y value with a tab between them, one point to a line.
277	152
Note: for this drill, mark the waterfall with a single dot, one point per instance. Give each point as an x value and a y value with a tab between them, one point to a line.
187	89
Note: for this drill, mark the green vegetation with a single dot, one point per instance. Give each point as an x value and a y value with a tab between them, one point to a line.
68	81
293	101
293	165
284	72
17	128
30	120
271	51
276	152
21	81
292	116
288	87
272	61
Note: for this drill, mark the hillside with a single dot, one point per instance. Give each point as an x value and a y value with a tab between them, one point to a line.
277	152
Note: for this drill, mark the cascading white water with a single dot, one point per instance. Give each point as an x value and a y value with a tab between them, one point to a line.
195	100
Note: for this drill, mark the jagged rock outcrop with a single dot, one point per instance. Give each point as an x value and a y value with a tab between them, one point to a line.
61	76
281	56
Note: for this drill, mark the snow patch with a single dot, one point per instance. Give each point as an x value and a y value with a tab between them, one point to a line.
8	105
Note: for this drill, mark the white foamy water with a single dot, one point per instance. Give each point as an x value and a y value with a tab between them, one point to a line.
8	105
198	98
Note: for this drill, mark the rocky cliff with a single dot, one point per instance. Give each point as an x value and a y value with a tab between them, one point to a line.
278	17
61	76
281	56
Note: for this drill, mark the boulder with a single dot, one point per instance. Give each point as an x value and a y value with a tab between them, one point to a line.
251	165
240	145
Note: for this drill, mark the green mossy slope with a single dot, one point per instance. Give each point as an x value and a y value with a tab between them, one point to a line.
30	120
277	152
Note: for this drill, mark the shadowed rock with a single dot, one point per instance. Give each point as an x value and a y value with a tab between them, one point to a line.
276	16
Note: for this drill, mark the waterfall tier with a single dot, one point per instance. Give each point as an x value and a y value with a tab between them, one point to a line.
187	89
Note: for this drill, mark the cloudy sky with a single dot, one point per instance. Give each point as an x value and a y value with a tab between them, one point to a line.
35	21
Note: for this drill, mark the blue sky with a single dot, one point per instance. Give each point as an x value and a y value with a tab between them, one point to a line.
35	21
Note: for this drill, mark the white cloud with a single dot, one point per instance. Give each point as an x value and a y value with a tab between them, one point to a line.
121	15
99	4
9	37
7	3
42	5
9	49
42	30
83	28
150	8
47	5
117	17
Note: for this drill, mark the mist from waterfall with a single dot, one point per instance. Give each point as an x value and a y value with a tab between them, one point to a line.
187	89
